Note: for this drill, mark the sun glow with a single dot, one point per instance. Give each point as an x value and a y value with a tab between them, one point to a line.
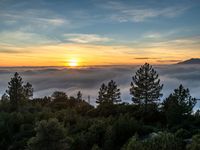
73	62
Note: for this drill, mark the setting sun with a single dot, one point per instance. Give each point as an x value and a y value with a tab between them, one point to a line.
73	62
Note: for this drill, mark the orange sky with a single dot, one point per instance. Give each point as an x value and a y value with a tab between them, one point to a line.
88	55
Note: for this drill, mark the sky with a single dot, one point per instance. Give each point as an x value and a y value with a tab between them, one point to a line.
98	32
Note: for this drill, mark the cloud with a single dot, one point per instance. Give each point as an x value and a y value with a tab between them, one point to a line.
24	38
138	13
85	38
9	51
145	58
34	16
169	61
45	80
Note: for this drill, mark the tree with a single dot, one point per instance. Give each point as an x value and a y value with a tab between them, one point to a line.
134	144
4	102
59	96
28	90
178	104
79	96
109	94
113	93
164	141
161	141
15	90
49	135
146	86
102	97
59	100
4	98
195	145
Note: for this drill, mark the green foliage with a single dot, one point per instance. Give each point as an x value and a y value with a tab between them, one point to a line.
146	86
121	130
102	94
95	147
134	144
178	105
195	145
109	94
17	92
182	134
162	141
49	135
109	126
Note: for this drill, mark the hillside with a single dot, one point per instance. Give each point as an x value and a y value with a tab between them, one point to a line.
190	61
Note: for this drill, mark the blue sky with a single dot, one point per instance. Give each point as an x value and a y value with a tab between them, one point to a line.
140	27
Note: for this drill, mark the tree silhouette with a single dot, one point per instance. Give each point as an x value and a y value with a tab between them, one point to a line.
178	104
146	86
109	94
79	96
59	96
15	90
28	90
102	97
113	93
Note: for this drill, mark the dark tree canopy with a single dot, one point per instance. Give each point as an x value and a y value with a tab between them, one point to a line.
109	94
59	96
178	104
62	122
146	86
50	135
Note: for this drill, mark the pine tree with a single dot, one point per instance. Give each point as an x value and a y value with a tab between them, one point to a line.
113	93
28	90
146	86
15	90
109	94
102	94
178	104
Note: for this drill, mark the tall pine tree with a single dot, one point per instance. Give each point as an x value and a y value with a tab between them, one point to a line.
15	90
146	86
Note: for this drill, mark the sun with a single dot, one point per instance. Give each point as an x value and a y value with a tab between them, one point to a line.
73	62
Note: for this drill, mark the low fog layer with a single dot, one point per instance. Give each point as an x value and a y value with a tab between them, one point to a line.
45	80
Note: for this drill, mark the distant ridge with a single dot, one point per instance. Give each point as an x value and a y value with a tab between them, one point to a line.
190	61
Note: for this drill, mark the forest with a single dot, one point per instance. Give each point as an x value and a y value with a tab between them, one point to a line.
63	122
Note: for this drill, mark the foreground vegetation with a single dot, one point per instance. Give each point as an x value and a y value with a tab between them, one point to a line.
62	122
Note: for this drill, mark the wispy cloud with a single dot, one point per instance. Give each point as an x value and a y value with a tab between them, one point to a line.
24	38
86	38
35	18
145	58
124	13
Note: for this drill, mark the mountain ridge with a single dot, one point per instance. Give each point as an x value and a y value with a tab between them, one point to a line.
190	61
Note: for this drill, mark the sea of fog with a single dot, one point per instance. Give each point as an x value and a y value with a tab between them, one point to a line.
46	80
